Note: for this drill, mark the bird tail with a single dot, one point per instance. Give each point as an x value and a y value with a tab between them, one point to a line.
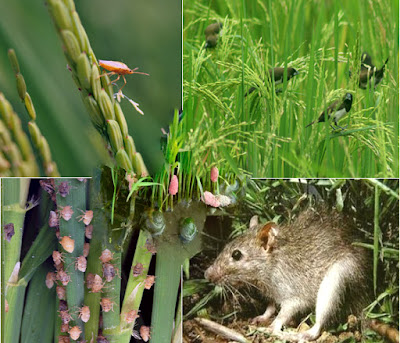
379	73
384	65
386	61
310	123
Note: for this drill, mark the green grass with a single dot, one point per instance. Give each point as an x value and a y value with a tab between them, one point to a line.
264	134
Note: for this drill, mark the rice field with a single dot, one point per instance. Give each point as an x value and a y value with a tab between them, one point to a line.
264	134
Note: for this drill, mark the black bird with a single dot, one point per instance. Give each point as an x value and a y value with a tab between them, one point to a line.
368	71
211	33
336	110
278	76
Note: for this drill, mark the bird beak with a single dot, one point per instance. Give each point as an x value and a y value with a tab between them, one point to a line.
349	96
295	72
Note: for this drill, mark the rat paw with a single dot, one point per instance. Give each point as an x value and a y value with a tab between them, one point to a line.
300	337
261	320
306	336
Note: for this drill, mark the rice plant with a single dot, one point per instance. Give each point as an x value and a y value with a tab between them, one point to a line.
264	133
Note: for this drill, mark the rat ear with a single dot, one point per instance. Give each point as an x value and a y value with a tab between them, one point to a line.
253	222
267	236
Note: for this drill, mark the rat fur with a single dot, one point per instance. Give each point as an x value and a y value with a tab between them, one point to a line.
308	265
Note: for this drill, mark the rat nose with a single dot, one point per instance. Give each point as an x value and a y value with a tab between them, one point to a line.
207	273
211	274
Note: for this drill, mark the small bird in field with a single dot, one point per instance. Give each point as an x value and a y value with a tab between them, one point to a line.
211	33
278	76
335	111
368	71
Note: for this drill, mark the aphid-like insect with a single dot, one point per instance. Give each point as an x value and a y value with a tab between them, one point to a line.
75	332
62	306
149	281
106	256
60	292
66	212
107	304
50	278
86	248
6	306
63	188
84	313
89	280
63	339
88	231
9	231
59	266
150	247
65	317
145	333
108	271
64	328
137	269
57	257
68	244
131	316
118	68
53	219
97	284
81	263
47	185
63	276
86	217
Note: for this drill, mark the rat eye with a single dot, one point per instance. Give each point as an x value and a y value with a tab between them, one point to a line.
236	255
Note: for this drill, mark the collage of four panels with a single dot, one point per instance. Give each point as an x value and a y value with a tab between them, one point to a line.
199	171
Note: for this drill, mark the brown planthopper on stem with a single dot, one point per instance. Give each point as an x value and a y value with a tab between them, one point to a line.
149	281
107	304
137	269
63	188
75	332
65	317
63	276
81	263
68	244
84	313
89	231
106	256
65	212
60	292
97	284
131	316
54	221
86	217
50	278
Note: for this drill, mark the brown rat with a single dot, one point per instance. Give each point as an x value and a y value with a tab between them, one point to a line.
304	266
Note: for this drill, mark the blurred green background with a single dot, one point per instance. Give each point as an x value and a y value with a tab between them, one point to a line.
143	34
